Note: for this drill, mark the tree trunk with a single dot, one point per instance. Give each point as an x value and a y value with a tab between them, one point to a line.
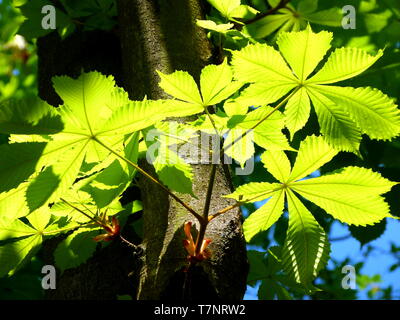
152	35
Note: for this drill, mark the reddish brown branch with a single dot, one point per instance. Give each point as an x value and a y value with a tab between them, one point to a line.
282	4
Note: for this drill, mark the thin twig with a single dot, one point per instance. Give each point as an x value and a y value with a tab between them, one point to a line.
127	242
203	226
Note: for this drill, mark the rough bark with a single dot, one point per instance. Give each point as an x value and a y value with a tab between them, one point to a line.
164	36
153	35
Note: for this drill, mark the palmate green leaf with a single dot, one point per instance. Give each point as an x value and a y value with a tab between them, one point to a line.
343	194
344	113
27	240
215	82
306	249
93	107
352	195
75	249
